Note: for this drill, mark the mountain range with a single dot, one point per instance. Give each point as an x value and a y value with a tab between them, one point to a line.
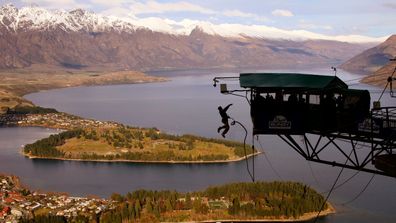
78	39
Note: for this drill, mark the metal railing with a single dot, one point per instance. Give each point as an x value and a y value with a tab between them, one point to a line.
387	117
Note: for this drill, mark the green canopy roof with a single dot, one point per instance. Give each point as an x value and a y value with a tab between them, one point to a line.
290	80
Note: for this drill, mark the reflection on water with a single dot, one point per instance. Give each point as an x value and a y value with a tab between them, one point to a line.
183	105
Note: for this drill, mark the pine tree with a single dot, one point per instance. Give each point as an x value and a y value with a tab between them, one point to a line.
168	205
138	208
188	204
149	206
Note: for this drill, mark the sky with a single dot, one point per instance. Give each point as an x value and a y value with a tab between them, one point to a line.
353	18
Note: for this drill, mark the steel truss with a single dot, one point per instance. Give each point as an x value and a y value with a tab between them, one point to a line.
362	154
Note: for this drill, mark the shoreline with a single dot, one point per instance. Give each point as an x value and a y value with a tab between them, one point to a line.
160	80
14	89
305	217
142	161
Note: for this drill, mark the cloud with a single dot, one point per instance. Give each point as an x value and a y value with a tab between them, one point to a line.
237	13
64	4
282	12
108	3
151	6
118	12
311	26
135	8
391	5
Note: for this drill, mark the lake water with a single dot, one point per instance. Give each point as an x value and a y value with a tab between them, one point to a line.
186	104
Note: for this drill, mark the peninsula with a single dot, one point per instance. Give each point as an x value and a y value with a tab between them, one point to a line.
236	202
91	140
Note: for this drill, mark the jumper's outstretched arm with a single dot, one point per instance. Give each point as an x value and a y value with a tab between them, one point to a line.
226	108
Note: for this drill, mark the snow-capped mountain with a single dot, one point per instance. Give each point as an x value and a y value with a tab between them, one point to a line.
36	18
80	39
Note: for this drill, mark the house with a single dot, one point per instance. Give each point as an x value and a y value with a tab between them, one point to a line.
8	200
16	196
16	213
6	211
36	206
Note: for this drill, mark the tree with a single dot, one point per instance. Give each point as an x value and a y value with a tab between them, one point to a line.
188	201
197	204
235	208
199	207
117	197
190	144
168	205
149	206
131	210
138	208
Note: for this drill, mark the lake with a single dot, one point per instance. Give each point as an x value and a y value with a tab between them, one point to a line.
186	104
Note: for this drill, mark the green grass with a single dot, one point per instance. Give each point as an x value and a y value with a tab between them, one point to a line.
77	146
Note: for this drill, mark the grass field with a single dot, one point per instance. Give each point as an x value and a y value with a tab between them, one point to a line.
77	147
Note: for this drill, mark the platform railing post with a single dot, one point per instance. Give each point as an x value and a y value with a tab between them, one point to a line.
372	137
387	118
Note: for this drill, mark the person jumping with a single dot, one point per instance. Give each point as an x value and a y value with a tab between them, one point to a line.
224	120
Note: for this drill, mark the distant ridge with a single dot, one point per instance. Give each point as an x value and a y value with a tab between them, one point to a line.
372	59
380	76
